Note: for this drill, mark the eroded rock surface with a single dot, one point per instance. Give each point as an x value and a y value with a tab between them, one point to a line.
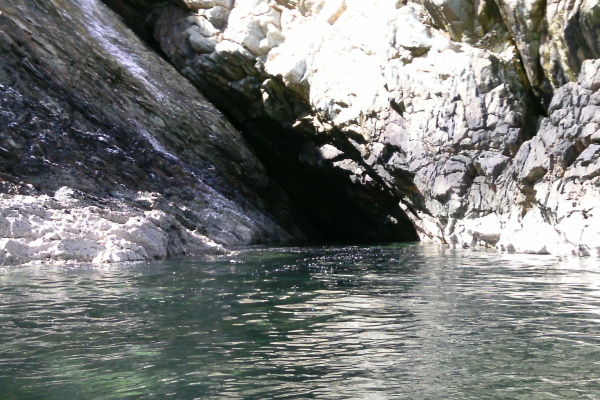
86	105
438	106
460	121
72	227
558	176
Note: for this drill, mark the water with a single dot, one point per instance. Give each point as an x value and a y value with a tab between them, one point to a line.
389	322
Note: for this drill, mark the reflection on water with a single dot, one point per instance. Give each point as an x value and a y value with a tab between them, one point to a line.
389	322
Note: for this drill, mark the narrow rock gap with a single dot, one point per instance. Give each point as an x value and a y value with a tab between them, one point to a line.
540	99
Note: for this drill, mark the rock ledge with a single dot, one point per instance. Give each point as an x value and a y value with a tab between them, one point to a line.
72	227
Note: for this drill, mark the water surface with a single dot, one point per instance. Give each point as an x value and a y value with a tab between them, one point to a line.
379	322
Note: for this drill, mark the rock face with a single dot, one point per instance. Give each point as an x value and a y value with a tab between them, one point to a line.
155	169
86	105
468	114
457	121
553	184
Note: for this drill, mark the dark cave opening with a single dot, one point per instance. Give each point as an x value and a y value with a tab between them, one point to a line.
324	203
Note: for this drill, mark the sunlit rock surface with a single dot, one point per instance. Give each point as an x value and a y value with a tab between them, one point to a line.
558	176
433	103
457	121
71	228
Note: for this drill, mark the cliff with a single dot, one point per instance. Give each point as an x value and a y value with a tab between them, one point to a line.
462	122
479	118
108	154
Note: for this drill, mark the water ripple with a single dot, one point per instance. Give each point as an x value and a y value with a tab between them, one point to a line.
383	322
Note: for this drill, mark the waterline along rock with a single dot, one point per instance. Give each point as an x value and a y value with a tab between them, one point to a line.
462	122
471	115
87	108
65	228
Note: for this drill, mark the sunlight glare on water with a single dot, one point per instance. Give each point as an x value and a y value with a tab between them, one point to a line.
379	322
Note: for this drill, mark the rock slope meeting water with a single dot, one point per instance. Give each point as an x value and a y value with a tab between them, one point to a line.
481	120
108	154
458	122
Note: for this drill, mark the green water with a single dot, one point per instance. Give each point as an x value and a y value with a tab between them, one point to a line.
389	322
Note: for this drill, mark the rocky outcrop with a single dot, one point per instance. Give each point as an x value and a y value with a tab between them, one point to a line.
84	104
70	228
553	182
461	122
552	38
436	106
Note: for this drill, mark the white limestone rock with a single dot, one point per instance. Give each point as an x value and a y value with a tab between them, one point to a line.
204	4
67	228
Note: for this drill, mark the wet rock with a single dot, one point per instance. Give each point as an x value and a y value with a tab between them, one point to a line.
101	113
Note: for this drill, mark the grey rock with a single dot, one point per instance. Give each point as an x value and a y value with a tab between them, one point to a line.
329	152
491	164
379	121
101	113
201	43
